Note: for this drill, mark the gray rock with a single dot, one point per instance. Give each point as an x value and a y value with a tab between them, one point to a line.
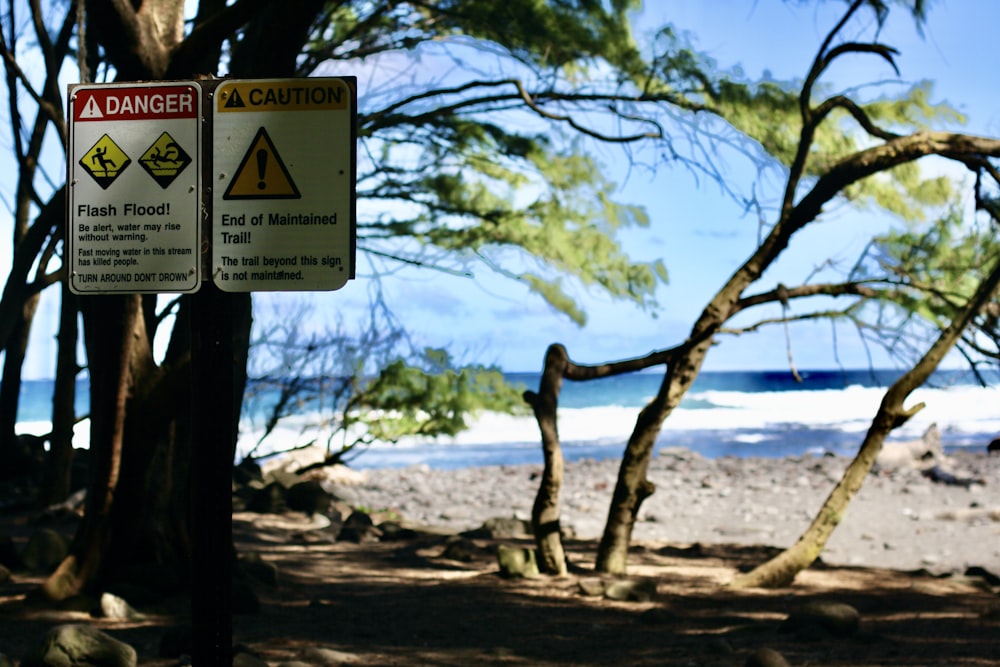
244	659
987	576
919	454
309	497
766	657
253	566
508	528
591	587
631	590
325	656
459	548
116	608
819	618
267	500
516	561
359	528
44	551
78	645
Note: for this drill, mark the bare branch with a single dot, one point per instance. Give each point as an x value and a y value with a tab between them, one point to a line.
846	313
783	294
392	114
842	102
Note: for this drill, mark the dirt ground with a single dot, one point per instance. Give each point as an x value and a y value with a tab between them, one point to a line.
401	602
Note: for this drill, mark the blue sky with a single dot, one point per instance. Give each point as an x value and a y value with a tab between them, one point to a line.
699	233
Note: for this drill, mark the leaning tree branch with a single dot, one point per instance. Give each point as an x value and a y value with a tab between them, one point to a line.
892	413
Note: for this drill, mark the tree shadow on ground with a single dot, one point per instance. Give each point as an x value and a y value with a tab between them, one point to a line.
402	602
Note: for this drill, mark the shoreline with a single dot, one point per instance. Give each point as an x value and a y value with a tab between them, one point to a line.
900	519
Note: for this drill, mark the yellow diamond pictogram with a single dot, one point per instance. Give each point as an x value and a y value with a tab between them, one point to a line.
164	160
105	161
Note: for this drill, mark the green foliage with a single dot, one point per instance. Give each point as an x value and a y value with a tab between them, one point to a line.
549	33
483	189
428	397
769	113
938	266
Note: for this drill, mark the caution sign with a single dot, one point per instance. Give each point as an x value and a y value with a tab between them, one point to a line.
105	161
283	209
164	160
262	174
131	230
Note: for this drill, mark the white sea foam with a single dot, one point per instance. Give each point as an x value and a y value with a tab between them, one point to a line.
717	422
776	421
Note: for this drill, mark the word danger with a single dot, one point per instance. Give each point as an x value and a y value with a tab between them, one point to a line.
154	103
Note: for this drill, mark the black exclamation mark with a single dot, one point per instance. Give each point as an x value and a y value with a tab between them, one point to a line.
261	168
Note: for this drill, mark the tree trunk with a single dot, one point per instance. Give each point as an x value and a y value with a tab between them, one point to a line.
58	467
545	511
782	569
632	487
111	322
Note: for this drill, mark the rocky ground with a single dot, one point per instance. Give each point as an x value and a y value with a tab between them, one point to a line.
900	519
910	578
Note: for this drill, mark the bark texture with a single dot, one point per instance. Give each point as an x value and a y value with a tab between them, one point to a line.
545	511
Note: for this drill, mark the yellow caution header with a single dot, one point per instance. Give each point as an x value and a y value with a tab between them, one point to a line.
283	95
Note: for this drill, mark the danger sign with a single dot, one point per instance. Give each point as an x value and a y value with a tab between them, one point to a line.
283	209
134	229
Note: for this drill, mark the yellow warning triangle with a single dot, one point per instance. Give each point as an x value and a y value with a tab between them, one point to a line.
262	174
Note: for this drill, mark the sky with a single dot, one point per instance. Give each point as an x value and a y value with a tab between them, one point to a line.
699	233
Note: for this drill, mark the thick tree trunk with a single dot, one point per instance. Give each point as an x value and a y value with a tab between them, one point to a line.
545	511
632	487
782	569
111	322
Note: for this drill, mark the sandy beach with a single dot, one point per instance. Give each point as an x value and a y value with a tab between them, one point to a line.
900	519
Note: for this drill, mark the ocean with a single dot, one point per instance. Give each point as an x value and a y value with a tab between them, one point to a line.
731	413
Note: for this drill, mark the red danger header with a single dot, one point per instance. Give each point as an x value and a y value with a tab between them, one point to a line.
113	103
